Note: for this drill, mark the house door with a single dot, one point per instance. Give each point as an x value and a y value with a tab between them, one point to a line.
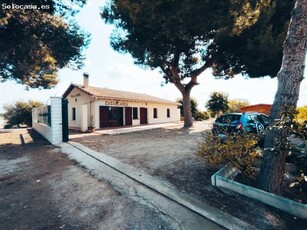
143	116
104	116
128	115
116	116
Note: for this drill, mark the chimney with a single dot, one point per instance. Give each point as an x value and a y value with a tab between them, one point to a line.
85	79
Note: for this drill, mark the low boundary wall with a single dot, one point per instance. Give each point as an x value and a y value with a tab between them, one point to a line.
52	132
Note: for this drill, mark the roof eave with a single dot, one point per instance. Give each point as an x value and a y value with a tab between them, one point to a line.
135	100
72	86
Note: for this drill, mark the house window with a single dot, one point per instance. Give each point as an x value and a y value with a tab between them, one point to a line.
168	113
135	113
74	114
155	113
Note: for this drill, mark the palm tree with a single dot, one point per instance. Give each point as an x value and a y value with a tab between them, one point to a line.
217	103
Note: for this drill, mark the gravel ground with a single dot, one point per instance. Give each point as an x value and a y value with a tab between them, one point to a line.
169	154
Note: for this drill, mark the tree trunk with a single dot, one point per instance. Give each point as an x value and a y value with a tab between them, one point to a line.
185	90
289	78
186	99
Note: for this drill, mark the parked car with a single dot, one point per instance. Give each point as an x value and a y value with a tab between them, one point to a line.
251	122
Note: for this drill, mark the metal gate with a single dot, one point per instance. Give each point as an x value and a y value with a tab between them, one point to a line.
65	131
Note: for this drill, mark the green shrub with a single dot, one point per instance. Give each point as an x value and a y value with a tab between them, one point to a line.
202	116
20	113
7	126
238	149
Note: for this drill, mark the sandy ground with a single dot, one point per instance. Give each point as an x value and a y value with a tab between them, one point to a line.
41	189
169	154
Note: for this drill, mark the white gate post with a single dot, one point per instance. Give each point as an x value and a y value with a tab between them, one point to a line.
56	120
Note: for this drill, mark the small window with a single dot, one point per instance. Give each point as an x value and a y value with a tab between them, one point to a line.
135	113
73	114
225	119
155	113
168	113
264	119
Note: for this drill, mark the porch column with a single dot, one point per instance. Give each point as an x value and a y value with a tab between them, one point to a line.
84	118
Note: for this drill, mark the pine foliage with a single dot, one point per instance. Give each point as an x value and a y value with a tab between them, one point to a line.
35	43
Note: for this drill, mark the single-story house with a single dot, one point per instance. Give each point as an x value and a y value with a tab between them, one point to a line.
260	108
90	106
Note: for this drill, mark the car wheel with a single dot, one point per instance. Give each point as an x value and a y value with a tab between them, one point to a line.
259	127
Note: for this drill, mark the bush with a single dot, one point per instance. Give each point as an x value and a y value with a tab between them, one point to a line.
7	126
301	114
20	113
202	116
238	149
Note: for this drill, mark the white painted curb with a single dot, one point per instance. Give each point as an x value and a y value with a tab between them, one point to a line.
222	178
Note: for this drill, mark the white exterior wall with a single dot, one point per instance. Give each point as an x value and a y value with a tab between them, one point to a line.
76	99
52	133
84	117
162	113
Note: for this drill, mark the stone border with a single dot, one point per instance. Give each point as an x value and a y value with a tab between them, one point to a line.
223	178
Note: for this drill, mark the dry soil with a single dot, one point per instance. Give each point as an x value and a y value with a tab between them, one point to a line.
40	188
169	154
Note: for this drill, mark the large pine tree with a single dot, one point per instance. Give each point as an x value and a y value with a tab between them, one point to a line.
183	38
289	78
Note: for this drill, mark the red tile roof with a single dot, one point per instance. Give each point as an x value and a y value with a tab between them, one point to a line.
111	94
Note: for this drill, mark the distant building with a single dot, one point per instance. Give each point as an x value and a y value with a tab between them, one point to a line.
101	107
261	108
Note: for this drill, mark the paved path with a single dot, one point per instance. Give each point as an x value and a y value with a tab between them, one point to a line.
115	131
184	211
137	128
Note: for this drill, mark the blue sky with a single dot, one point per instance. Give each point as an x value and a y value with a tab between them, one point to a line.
113	70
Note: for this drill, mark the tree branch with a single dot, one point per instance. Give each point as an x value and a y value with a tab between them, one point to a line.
198	71
167	75
175	60
174	76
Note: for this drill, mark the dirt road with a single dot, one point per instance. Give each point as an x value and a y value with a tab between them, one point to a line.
41	189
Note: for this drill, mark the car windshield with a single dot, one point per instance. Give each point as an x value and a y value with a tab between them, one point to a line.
253	117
